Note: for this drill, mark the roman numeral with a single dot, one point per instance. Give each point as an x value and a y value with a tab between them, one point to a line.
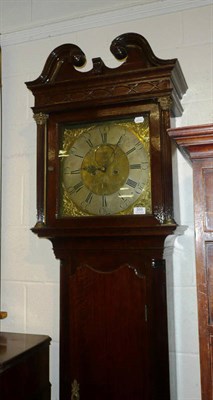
104	137
76	188
131	183
78	155
139	144
135	166
90	144
130	151
73	152
89	198
104	202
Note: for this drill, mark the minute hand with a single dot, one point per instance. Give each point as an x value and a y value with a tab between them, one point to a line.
115	149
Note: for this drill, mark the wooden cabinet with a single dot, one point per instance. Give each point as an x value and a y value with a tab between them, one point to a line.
24	367
196	143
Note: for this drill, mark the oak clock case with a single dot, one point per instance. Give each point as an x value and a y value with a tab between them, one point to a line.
104	200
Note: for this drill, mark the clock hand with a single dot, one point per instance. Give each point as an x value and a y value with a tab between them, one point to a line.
104	156
92	169
115	148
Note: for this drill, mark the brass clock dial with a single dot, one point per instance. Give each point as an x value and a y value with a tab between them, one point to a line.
105	168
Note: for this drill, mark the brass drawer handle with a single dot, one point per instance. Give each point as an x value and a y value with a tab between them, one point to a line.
75	395
3	314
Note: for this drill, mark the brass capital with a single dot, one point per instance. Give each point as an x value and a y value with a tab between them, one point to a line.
165	102
40	118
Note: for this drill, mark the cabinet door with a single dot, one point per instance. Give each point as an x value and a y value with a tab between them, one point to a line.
114	332
109	340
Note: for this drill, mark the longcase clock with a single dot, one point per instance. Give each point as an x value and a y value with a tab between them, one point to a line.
104	199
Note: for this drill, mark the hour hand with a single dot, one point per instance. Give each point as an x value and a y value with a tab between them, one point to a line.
92	169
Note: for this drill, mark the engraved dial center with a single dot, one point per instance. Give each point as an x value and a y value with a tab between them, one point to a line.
105	169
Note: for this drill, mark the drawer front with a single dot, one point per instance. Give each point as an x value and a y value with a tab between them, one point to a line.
27	379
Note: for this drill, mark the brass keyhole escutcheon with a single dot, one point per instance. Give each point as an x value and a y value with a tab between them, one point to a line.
75	395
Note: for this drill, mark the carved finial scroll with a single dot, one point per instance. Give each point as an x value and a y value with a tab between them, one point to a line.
135	48
63	83
65	57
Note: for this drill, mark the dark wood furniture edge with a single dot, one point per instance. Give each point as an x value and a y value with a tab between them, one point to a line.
13	336
196	144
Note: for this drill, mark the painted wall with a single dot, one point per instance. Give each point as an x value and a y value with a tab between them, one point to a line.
30	274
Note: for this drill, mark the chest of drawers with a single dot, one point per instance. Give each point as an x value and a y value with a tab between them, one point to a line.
24	367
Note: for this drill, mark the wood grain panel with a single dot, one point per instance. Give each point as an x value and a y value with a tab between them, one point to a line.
209	269
103	351
208	198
